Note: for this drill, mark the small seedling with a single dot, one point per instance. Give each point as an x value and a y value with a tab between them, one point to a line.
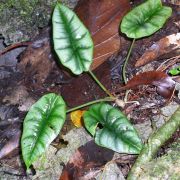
175	71
74	47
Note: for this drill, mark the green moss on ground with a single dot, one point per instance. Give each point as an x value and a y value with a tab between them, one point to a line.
165	167
21	19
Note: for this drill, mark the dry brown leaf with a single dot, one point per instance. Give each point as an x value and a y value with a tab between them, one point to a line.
165	85
163	46
36	61
175	2
88	159
102	18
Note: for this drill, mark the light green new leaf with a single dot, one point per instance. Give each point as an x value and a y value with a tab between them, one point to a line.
145	19
117	132
41	126
72	40
175	71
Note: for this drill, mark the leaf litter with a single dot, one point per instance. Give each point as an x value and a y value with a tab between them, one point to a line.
165	85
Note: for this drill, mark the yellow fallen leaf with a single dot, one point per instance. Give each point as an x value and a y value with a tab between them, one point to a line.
76	118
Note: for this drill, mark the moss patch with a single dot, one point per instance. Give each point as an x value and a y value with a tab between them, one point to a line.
21	19
165	167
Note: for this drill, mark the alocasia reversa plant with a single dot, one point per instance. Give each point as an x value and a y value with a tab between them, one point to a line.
74	47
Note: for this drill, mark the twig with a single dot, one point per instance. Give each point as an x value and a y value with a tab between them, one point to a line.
13	46
14	174
160	68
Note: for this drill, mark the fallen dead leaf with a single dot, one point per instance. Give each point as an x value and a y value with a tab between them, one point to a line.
165	85
163	46
36	62
88	159
102	18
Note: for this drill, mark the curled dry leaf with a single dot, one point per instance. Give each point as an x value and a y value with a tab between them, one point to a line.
102	18
163	46
165	85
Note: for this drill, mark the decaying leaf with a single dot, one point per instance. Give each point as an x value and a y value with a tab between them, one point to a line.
163	46
102	18
165	85
76	118
88	159
33	60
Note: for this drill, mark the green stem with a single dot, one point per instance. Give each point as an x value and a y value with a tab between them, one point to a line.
90	103
100	84
126	61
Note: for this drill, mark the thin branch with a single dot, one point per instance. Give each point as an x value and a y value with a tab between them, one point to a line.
13	46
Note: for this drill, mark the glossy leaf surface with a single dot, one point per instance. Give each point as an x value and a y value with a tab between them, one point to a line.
72	41
41	126
145	19
117	132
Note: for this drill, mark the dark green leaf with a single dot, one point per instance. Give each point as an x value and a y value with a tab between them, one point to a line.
117	132
41	126
72	41
145	19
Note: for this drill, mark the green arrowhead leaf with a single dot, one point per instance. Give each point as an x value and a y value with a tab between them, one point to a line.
145	19
72	40
117	132
41	126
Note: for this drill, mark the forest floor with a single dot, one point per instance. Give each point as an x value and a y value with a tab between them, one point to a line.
27	73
